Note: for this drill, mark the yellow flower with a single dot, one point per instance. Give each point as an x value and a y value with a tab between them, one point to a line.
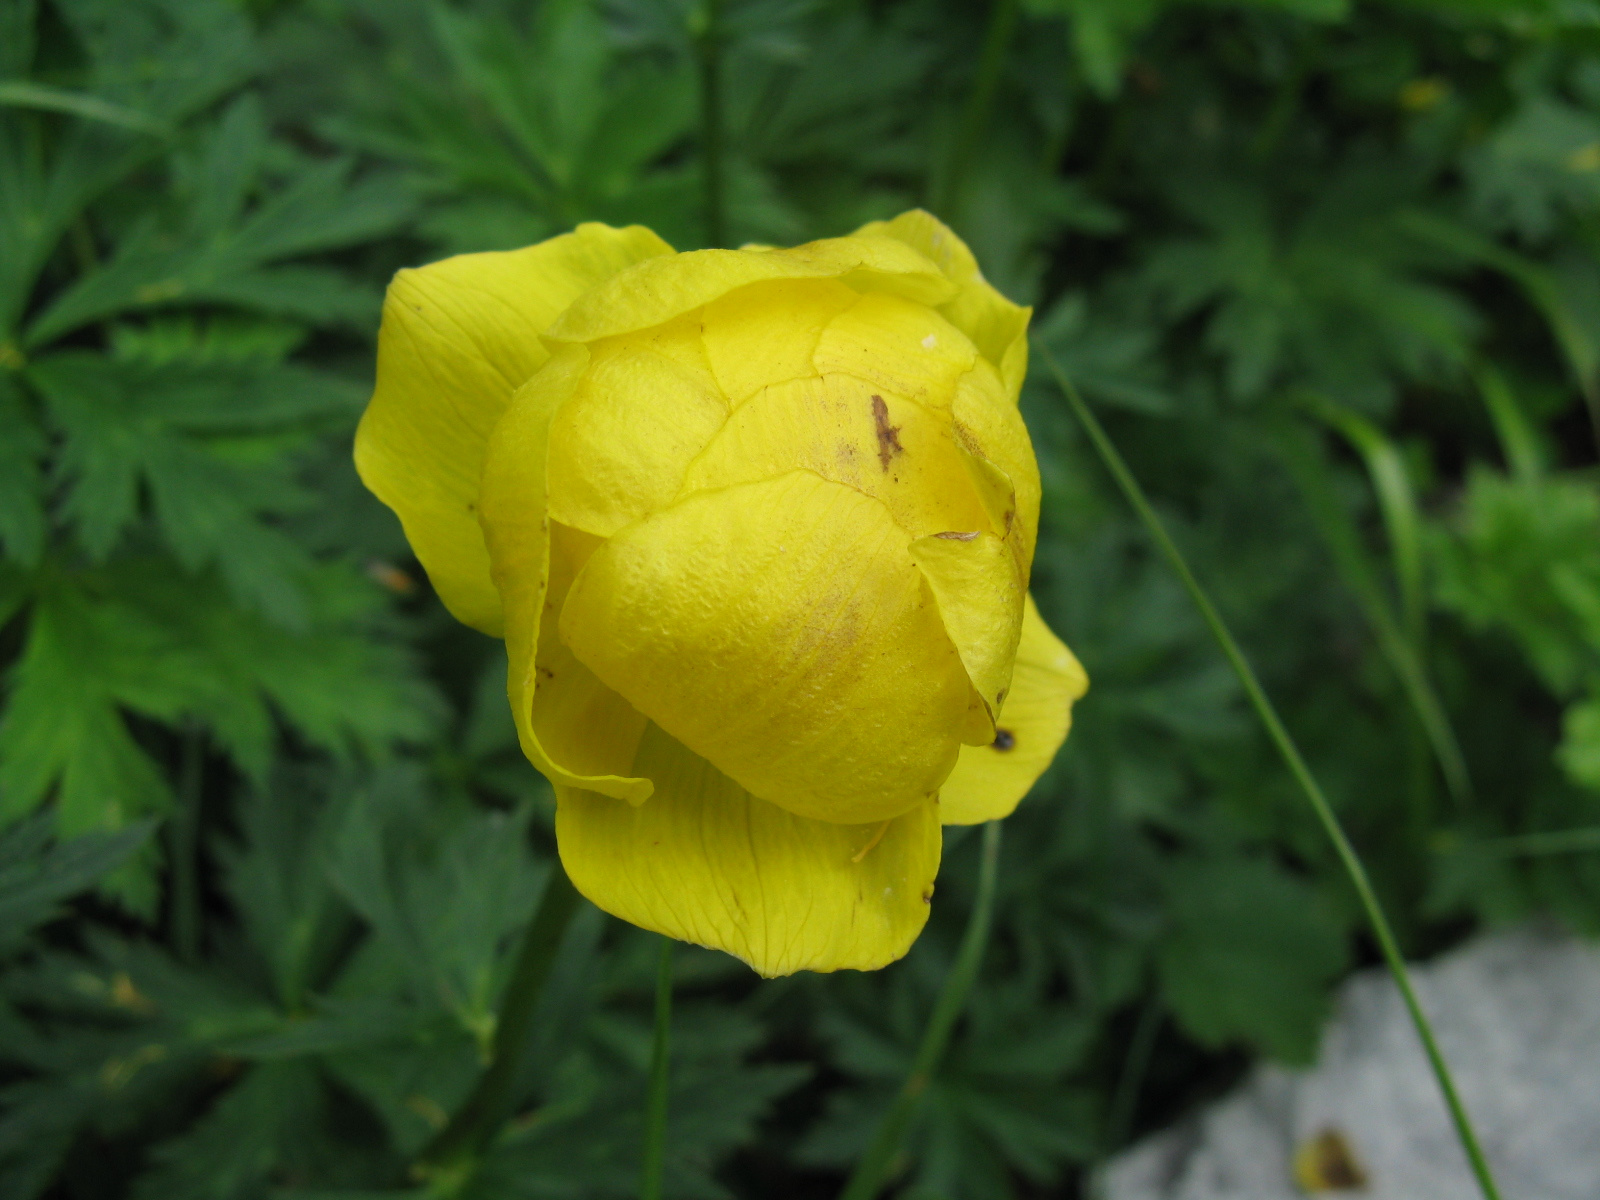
756	526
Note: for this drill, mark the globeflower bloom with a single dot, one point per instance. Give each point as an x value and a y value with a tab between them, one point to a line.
756	526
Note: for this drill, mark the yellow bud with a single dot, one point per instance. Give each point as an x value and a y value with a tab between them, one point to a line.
757	527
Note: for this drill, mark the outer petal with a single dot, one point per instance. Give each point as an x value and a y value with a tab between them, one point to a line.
855	433
781	630
990	781
995	324
980	595
458	338
704	861
660	290
573	728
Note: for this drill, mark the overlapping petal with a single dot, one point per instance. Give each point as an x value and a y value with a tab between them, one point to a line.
998	327
852	432
980	596
781	630
658	290
990	781
706	862
458	338
585	736
620	444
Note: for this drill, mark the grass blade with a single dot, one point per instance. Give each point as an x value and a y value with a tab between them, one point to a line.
1286	746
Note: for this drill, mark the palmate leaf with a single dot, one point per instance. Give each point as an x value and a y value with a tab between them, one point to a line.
996	1106
1334	295
35	876
270	1123
519	155
220	249
22	449
1249	956
207	445
206	47
138	638
585	1139
1103	31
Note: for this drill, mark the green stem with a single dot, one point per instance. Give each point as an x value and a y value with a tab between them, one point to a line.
1296	764
453	1154
708	46
185	847
875	1163
655	1122
975	115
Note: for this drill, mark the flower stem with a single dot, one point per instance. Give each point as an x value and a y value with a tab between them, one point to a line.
655	1119
946	197
885	1146
453	1153
1297	766
708	46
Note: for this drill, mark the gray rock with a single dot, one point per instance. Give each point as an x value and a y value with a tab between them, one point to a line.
1518	1019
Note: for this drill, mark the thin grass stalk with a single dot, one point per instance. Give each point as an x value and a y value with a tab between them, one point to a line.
979	107
708	49
874	1167
655	1118
1297	766
453	1154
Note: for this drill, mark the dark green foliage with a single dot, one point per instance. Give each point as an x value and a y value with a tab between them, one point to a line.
1329	270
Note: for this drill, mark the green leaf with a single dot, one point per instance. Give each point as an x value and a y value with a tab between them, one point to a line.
36	876
1251	955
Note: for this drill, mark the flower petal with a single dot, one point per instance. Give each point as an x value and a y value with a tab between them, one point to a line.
661	289
620	445
998	327
980	596
855	433
767	332
990	781
781	630
991	429
704	861
458	338
899	346
576	731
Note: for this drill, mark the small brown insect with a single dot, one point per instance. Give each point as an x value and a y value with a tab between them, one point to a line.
888	435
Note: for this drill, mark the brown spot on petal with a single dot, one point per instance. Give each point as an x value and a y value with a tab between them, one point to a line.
927	896
1004	740
888	435
951	535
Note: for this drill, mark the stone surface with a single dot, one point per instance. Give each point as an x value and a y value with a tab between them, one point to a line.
1518	1018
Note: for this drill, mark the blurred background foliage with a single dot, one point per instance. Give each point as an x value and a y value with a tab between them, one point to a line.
1331	271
